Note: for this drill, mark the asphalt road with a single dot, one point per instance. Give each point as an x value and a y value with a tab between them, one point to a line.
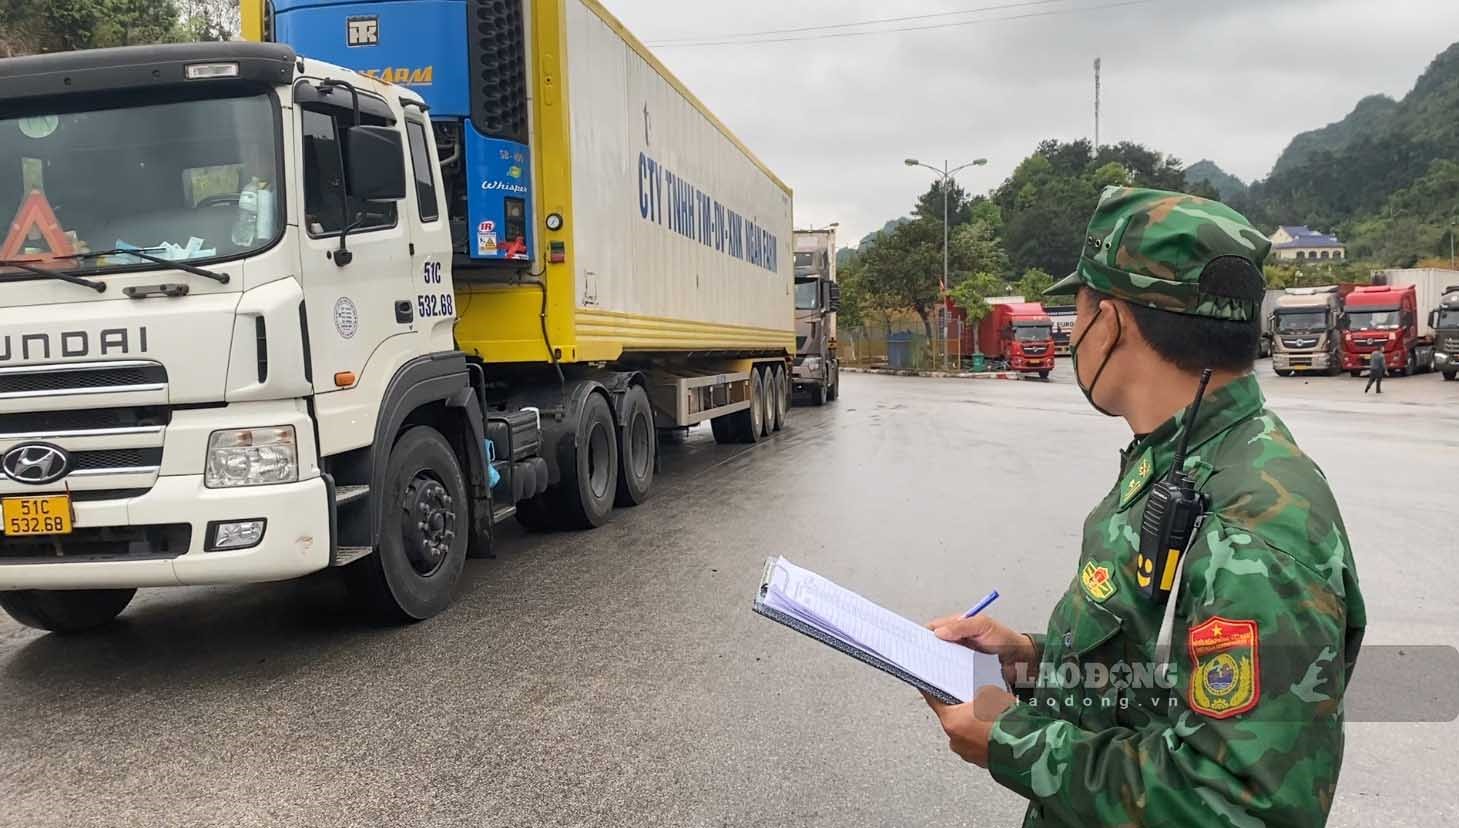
619	678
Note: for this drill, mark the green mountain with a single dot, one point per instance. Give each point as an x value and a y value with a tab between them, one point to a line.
1207	172
1371	117
1384	177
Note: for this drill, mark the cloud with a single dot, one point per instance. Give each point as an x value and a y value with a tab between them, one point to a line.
1231	81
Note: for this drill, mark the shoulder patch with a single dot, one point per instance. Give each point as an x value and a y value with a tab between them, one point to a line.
1225	676
1134	482
1098	582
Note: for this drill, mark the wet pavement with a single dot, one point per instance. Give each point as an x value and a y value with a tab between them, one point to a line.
619	678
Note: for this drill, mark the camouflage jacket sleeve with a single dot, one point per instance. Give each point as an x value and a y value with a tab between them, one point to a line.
1252	731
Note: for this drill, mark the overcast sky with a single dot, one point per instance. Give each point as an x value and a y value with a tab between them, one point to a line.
1231	80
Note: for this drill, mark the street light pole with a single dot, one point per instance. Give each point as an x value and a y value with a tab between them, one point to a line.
945	176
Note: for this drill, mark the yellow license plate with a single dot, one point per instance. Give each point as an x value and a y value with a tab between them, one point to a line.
41	515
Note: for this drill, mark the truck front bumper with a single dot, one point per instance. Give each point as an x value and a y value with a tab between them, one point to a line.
179	515
1445	362
1291	361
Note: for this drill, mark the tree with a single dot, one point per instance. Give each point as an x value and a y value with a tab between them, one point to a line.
31	26
972	295
1033	283
904	269
959	205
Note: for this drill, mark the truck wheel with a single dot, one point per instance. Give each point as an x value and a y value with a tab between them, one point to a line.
833	390
726	429
1355	374
66	611
636	448
584	498
1449	376
535	514
1043	375
768	401
423	536
751	423
781	408
819	395
1410	365
1284	372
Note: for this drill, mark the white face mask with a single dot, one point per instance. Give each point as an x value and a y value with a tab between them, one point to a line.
1074	355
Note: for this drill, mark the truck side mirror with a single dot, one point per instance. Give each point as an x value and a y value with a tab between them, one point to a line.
375	165
835	302
1433	319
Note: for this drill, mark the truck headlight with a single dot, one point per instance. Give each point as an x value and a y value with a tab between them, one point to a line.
812	365
252	457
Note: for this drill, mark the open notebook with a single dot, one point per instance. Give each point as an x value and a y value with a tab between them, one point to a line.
809	604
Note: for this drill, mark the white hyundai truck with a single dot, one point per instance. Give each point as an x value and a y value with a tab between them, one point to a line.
238	342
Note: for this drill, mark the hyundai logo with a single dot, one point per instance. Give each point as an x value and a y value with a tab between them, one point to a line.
36	463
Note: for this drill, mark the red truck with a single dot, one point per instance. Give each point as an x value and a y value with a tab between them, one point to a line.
1018	336
1385	317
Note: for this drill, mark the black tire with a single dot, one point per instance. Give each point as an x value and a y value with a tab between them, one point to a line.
423	534
637	449
1284	372
782	397
1355	374
771	399
590	482
535	514
818	395
833	385
1450	376
1043	375
726	429
750	423
1410	365
66	611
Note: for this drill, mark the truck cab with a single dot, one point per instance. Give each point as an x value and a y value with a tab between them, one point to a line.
1384	317
1018	336
1304	326
816	372
221	296
1445	322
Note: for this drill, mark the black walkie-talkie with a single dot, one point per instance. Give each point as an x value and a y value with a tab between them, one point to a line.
1172	511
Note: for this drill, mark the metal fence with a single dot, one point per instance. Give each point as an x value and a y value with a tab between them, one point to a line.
902	345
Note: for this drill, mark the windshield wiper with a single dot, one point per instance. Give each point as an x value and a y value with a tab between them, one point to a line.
99	287
220	278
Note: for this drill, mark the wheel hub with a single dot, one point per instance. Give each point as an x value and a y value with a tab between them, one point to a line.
429	524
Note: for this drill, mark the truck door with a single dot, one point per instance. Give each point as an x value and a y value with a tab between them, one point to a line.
361	307
435	301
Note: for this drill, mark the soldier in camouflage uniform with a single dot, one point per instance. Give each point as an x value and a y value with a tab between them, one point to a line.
1245	728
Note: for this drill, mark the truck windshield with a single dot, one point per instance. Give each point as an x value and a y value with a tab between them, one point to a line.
1033	333
1449	318
1375	320
807	294
807	263
186	178
1301	321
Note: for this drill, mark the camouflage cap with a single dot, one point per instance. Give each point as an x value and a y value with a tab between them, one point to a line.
1151	247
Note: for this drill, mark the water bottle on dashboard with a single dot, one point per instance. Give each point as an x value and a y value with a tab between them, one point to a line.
245	229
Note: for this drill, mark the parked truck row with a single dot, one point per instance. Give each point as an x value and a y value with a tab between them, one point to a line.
1337	328
303	311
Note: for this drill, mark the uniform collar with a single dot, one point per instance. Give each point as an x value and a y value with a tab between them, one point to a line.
1150	457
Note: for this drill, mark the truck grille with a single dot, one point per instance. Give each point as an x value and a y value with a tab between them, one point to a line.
109	543
1037	350
115	451
1449	344
1300	342
38	425
81	378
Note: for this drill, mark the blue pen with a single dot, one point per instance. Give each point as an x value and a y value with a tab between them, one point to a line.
983	604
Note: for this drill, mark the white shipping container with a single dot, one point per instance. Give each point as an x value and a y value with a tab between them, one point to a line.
674	220
1429	284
